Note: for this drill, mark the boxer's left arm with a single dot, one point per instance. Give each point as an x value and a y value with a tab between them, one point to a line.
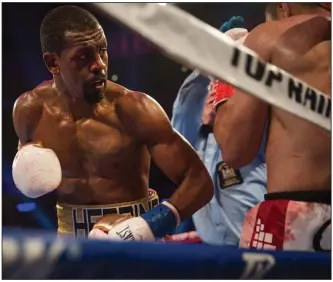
150	125
240	121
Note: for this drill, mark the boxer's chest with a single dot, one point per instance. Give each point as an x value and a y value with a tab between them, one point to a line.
90	143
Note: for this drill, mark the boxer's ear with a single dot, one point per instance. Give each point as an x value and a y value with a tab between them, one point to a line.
283	10
51	62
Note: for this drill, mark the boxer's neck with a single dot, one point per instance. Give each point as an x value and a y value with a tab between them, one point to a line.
75	104
63	91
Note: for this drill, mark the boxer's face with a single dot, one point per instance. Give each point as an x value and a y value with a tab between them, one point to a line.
83	64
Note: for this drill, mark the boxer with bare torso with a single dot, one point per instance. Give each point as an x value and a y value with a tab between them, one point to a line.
103	135
297	211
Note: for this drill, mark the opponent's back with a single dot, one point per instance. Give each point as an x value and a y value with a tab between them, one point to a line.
297	147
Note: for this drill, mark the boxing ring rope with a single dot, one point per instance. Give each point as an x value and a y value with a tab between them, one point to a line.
200	46
31	255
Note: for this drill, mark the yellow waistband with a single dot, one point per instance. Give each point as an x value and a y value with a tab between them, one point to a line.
78	220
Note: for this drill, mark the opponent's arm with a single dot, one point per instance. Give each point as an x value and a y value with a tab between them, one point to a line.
241	118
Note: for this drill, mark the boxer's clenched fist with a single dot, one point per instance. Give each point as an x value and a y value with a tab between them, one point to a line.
106	223
236	33
36	170
121	227
154	224
133	229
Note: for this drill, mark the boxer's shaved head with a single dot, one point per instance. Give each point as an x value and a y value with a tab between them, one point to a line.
60	20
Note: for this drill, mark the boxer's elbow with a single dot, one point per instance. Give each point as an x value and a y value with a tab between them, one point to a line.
237	154
221	131
204	183
236	150
236	158
207	188
195	191
227	148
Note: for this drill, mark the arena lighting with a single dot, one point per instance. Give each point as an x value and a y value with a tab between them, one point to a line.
162	4
114	77
26	207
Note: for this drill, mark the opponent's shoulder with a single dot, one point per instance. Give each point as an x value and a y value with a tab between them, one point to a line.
261	40
297	35
301	23
266	37
312	19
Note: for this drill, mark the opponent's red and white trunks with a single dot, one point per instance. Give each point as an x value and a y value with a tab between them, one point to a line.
289	221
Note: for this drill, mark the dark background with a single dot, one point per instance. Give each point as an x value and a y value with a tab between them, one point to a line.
137	64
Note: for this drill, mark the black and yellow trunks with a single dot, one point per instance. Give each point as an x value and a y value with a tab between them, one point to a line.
78	220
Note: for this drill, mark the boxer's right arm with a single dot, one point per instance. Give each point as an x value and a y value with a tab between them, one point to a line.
26	115
36	171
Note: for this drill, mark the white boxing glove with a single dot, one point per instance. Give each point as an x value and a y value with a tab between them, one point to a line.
242	39
36	171
154	224
98	234
236	33
126	229
133	229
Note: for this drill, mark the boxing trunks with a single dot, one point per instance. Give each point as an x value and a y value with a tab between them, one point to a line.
299	221
78	220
